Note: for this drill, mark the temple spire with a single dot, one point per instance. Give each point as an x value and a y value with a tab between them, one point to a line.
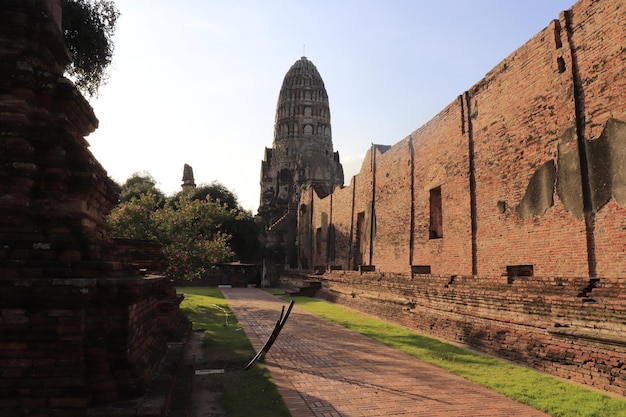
188	180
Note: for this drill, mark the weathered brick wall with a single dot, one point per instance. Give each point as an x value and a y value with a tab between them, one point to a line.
529	162
343	255
518	111
443	164
362	208
146	254
79	325
392	206
75	342
556	325
598	36
322	218
54	195
530	165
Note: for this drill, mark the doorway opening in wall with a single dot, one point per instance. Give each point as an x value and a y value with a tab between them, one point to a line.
435	230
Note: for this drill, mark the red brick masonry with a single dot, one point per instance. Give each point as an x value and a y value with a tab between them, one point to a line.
79	324
500	223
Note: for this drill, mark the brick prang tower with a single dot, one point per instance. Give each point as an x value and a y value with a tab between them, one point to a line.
301	156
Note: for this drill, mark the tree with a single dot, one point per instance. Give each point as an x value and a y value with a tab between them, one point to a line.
218	192
134	219
191	231
242	228
192	236
244	242
138	184
214	191
88	29
198	228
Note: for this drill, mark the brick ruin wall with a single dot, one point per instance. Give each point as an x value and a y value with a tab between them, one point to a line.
550	324
80	324
529	167
78	342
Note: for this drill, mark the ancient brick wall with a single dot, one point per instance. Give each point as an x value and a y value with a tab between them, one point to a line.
68	343
555	324
54	195
501	223
601	64
79	324
443	165
342	220
527	165
517	114
392	206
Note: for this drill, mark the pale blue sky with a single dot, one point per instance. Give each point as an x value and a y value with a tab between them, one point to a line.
196	81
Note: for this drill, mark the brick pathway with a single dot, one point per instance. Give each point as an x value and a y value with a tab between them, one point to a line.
324	370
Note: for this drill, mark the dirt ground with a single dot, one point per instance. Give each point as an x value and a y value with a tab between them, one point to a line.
205	393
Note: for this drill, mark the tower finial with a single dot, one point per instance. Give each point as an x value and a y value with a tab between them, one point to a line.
303	49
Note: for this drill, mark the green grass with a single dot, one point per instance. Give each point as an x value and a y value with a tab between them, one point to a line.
540	391
245	393
275	291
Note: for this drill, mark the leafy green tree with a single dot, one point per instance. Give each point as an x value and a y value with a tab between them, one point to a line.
217	192
138	184
245	234
134	219
88	29
191	231
244	231
214	191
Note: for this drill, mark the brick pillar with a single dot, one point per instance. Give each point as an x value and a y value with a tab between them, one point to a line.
78	326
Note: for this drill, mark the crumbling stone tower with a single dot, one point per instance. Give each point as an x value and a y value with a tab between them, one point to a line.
188	180
301	156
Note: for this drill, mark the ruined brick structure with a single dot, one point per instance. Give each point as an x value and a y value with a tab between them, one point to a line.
301	157
501	223
79	325
188	180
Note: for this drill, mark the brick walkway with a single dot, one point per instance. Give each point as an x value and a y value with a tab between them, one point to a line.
324	370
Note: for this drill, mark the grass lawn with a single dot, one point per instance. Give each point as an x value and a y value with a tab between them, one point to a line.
245	393
540	391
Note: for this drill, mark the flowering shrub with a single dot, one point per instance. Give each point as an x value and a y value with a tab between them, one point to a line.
190	231
134	219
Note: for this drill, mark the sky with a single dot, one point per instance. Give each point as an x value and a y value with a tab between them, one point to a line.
196	81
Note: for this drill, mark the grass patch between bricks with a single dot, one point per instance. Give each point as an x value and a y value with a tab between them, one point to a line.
540	391
244	393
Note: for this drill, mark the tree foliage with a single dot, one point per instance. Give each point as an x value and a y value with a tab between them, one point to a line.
88	29
244	231
192	234
190	231
196	233
214	191
217	192
134	219
138	184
